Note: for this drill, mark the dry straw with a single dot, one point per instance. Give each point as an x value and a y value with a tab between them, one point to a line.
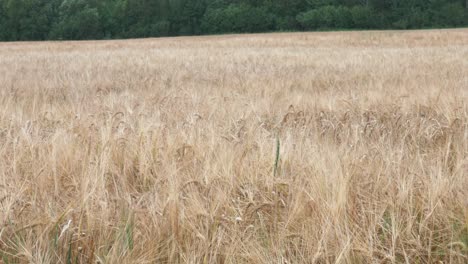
160	150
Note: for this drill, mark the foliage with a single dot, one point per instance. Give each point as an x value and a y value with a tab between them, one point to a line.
326	17
93	19
78	19
237	18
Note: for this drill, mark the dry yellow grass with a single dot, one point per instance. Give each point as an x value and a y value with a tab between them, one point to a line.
163	150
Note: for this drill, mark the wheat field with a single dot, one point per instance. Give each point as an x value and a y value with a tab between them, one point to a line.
345	147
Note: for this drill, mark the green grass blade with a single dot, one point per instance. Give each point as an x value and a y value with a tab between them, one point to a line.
275	171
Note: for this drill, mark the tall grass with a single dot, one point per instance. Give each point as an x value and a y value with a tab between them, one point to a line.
160	150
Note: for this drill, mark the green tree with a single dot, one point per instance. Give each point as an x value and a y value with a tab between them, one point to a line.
186	16
26	19
326	17
237	18
3	29
450	15
363	17
96	19
78	19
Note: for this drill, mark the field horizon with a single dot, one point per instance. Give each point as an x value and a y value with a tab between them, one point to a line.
320	147
247	35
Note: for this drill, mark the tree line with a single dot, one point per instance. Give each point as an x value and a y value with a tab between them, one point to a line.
109	19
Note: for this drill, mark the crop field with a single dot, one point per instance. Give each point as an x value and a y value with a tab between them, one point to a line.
343	147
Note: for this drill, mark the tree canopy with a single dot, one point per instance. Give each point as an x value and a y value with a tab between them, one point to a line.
106	19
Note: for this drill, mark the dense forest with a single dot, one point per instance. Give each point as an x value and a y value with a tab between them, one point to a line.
108	19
